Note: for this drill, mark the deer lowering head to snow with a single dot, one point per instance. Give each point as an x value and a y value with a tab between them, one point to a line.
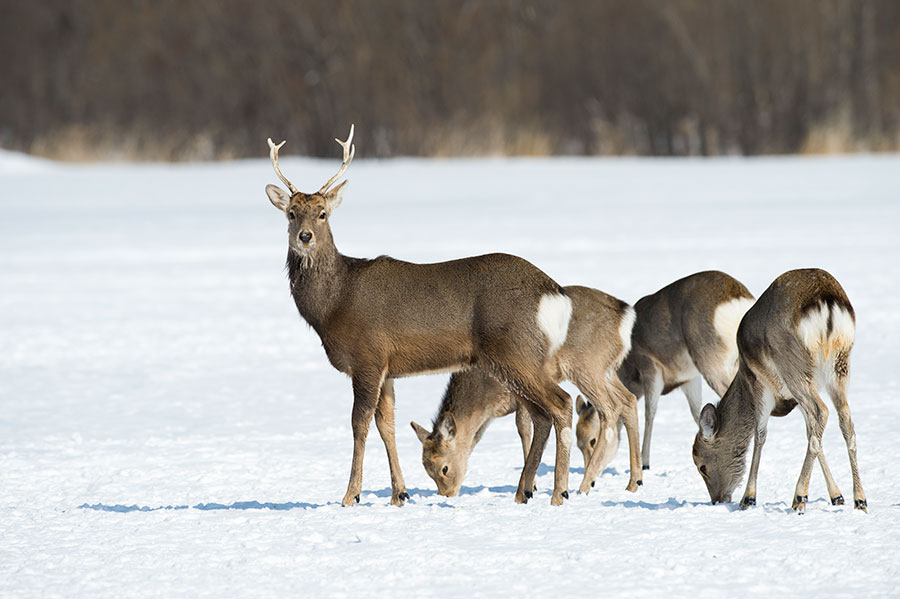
598	338
384	318
793	342
683	332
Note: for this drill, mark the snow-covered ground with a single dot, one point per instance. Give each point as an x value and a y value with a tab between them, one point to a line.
170	426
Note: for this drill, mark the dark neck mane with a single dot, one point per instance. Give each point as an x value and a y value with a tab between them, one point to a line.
316	284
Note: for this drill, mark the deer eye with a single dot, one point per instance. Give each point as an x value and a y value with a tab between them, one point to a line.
291	216
593	442
703	468
444	471
322	216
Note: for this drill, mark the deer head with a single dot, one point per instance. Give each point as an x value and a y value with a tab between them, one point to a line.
445	459
308	213
718	455
587	429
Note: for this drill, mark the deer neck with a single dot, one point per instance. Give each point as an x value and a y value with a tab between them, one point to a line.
316	283
738	412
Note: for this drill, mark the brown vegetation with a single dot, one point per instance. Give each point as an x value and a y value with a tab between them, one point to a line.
213	78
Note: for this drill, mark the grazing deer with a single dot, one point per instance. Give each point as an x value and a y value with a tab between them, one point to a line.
384	318
683	332
795	340
598	338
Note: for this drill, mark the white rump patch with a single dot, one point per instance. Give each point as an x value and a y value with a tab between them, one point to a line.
625	327
813	329
726	320
554	313
728	316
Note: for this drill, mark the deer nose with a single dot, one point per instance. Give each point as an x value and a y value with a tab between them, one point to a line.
305	236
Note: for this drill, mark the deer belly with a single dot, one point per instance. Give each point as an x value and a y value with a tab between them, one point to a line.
678	371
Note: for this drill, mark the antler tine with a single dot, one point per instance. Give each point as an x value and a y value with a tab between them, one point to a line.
349	153
273	154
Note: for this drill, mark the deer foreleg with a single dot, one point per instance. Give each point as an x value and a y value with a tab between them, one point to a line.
366	389
384	421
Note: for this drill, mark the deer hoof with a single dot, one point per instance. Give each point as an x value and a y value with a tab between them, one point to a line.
860	504
403	496
747	502
521	499
645	467
528	495
839	500
565	494
640	482
800	503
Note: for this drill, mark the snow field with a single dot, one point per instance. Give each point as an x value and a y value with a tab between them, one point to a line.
170	426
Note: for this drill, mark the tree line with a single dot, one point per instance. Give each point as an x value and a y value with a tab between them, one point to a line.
202	79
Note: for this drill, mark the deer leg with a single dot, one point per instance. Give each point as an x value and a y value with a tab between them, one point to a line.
839	398
366	389
816	415
693	391
607	435
384	421
523	426
606	447
629	417
652	389
759	439
542	426
834	491
561	415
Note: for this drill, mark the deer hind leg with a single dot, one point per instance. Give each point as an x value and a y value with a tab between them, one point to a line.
629	417
815	412
653	386
542	425
366	390
607	435
523	426
838	393
693	391
556	406
384	421
561	415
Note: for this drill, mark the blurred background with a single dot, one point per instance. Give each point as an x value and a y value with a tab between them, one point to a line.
211	79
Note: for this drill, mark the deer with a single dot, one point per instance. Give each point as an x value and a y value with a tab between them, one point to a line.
792	343
684	332
382	318
598	339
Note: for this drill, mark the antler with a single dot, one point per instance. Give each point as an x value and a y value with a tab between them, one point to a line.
273	154
349	152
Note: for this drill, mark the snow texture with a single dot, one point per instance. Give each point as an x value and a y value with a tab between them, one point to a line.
171	427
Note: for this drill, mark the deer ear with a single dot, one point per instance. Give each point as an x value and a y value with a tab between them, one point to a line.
579	404
709	421
446	428
334	197
279	197
421	433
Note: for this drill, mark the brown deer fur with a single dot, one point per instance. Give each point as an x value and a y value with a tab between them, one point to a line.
598	338
684	331
794	341
384	318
